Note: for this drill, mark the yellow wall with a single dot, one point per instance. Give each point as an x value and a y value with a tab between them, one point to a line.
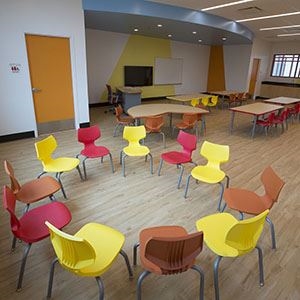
142	51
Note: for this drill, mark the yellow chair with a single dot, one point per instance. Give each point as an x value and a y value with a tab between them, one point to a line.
44	150
195	102
213	101
228	237
89	253
211	172
133	134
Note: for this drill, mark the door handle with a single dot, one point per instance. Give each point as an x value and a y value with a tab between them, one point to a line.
36	90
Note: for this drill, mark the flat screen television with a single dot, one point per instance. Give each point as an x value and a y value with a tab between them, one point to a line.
138	75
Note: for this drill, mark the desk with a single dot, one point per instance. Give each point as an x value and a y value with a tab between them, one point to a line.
255	109
131	96
283	100
147	110
187	98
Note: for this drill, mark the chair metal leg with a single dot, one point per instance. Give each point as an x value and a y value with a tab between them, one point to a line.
101	287
164	139
151	162
41	174
13	245
136	245
123	253
25	255
272	232
50	282
120	159
187	186
227	181
26	208
79	172
221	196
61	185
241	215
200	271
180	175
116	128
52	198
111	163
261	266
139	284
216	276
84	168
160	165
123	164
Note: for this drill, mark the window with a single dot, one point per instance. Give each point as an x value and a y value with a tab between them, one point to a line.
286	65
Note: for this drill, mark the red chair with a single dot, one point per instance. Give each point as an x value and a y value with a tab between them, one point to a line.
88	136
281	119
31	228
178	158
266	123
294	112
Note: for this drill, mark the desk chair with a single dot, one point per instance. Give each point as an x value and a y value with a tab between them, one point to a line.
113	98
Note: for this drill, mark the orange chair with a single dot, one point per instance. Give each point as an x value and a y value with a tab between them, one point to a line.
34	190
178	158
154	124
168	250
189	121
249	202
88	136
122	119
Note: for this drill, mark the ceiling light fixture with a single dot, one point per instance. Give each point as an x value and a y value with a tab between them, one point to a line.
224	38
159	25
270	17
199	41
169	35
135	29
225	5
288	34
279	27
194	32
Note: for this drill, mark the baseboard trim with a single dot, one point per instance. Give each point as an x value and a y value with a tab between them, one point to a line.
16	136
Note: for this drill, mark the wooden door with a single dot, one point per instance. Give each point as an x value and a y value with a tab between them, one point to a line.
51	82
253	77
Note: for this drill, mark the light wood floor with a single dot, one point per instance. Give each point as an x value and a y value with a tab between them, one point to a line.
141	200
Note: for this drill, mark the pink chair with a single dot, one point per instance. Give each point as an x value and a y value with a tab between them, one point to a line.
189	144
88	136
31	228
266	123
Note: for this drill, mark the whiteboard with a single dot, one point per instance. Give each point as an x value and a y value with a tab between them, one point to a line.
168	70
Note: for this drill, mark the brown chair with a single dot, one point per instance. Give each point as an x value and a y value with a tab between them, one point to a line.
122	119
168	250
249	202
34	190
112	98
189	121
154	124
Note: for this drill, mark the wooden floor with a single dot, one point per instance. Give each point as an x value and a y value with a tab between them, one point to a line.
141	200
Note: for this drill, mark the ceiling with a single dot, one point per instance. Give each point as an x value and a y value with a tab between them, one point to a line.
181	18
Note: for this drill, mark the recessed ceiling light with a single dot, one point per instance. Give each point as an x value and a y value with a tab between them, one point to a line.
159	25
270	17
135	29
169	35
279	27
194	32
289	34
199	41
226	4
224	38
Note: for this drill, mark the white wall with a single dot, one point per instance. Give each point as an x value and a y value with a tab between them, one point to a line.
55	18
236	65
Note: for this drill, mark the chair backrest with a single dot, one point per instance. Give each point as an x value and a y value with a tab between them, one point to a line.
187	141
205	100
215	154
119	111
195	102
73	253
190	119
271	118
154	123
232	97
45	148
9	203
176	254
15	186
213	100
272	183
133	134
283	115
244	235
88	135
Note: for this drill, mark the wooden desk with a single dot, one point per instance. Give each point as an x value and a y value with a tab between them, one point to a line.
283	100
255	109
187	98
147	110
131	96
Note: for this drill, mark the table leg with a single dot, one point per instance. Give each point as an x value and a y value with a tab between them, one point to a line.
254	125
231	121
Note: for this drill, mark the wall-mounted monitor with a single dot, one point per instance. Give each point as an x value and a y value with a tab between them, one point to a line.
138	75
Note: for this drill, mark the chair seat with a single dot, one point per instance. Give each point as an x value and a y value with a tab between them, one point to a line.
215	228
136	151
160	231
208	174
107	243
38	189
247	201
95	151
33	228
175	157
62	164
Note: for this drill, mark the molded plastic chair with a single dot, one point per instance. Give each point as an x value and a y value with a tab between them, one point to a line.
33	190
266	123
294	112
122	119
178	158
154	124
113	98
31	228
249	202
196	103
228	237
89	253
168	250
189	121
88	136
133	134
211	172
210	101
44	150
281	119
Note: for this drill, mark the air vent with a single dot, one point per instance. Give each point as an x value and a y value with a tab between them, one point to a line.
250	11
